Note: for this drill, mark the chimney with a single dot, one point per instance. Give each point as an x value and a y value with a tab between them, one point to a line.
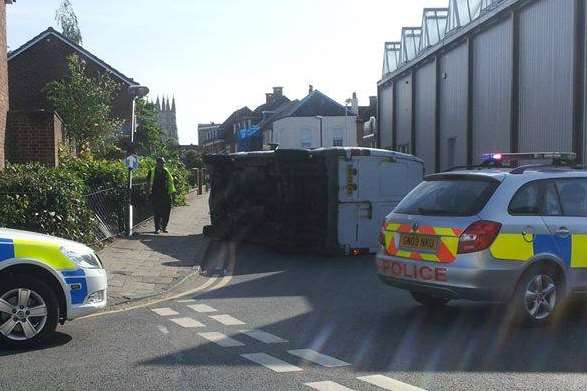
268	97
355	103
277	92
373	102
310	89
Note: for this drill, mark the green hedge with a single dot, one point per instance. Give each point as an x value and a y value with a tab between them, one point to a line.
47	200
52	200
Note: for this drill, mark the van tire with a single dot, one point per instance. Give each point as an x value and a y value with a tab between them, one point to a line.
40	288
428	300
538	297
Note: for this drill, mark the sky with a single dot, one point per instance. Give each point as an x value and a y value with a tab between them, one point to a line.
216	56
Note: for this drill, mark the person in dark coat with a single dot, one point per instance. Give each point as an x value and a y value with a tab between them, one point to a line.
162	190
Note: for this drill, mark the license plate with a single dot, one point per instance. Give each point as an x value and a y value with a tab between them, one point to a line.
419	242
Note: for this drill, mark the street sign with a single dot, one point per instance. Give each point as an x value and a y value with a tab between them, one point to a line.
132	162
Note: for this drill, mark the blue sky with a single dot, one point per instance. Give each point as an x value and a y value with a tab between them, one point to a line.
219	55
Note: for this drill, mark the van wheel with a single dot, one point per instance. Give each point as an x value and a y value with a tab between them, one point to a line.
29	312
538	296
429	301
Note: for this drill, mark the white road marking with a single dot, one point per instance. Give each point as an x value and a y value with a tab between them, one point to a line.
227	320
328	386
263	336
187	301
271	362
388	383
221	340
163	329
188	323
165	311
202	308
318	358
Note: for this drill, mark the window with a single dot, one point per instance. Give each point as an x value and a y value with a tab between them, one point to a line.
449	195
538	198
573	193
527	200
306	138
337	140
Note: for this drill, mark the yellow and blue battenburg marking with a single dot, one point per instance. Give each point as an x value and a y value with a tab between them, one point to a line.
78	285
51	255
517	247
6	249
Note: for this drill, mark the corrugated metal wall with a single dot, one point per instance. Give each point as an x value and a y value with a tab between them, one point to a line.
425	126
404	112
546	71
545	88
453	107
492	84
386	116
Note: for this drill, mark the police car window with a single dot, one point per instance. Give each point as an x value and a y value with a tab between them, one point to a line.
573	194
448	197
527	200
552	205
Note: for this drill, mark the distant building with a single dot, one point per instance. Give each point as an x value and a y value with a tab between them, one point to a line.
313	122
367	124
242	131
210	138
167	119
239	119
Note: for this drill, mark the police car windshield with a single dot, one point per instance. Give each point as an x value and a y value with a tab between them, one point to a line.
448	196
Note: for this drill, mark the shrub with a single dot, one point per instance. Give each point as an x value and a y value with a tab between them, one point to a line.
48	200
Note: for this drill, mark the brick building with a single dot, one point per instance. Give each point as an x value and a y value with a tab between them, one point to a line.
3	79
44	59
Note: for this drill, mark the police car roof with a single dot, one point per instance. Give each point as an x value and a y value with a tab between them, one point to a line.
501	173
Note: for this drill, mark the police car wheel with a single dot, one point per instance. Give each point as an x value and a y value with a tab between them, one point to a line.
29	312
429	301
538	296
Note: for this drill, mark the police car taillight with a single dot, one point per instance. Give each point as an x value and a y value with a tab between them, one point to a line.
478	236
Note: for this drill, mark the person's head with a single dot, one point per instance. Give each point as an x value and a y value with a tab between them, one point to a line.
160	162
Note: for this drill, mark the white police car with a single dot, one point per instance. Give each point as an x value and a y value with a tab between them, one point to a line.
513	234
44	281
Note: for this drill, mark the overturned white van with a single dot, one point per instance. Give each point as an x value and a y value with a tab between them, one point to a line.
328	201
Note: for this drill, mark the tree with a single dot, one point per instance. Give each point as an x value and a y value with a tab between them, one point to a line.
67	19
84	103
149	139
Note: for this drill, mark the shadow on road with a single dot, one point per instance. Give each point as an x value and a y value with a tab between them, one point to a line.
185	249
59	339
356	318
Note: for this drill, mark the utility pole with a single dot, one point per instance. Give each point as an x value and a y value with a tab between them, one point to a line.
135	92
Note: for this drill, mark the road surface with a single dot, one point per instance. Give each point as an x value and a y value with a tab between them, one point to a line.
291	322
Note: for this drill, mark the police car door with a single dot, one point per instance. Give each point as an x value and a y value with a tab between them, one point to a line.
567	223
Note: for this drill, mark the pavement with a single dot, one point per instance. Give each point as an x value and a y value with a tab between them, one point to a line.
292	322
148	265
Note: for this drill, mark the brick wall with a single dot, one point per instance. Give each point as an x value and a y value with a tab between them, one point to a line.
33	136
3	81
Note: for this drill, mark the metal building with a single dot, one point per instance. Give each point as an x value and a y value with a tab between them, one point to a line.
483	76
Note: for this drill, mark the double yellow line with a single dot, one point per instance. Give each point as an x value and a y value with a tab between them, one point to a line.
211	284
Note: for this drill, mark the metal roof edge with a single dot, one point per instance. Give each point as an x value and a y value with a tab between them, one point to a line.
450	39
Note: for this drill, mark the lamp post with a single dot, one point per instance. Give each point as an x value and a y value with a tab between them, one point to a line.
320	118
135	92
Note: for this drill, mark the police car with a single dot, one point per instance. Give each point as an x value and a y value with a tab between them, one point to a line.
492	233
45	281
